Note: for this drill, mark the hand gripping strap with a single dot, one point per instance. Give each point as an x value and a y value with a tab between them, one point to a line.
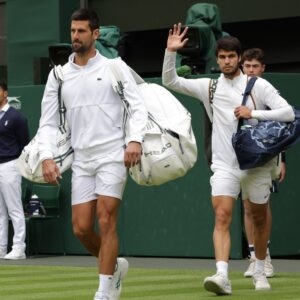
246	94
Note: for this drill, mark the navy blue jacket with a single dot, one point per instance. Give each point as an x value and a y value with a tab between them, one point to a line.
14	135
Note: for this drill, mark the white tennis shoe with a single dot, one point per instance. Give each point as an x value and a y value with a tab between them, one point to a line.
121	270
16	253
260	281
218	284
250	271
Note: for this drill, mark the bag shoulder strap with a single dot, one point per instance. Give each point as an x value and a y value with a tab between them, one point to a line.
117	84
207	121
212	88
58	74
117	80
211	92
138	79
248	89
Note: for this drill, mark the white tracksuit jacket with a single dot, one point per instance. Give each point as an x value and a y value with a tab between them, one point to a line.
94	110
227	97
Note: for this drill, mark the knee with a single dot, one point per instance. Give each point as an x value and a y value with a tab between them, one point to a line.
222	217
107	223
78	231
258	220
81	230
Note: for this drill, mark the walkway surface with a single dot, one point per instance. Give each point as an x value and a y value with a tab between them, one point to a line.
280	265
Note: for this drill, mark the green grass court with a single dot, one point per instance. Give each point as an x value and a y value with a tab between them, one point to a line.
27	282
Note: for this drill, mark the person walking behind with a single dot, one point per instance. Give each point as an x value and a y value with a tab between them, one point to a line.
14	135
102	154
228	180
253	64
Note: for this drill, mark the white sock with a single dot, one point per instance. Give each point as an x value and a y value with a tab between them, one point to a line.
105	282
259	266
222	267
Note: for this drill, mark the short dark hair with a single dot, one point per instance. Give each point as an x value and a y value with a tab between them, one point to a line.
85	14
3	85
228	43
254	53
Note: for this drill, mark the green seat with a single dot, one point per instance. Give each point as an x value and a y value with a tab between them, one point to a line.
49	196
43	226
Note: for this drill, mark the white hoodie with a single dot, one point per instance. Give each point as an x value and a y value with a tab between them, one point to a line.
94	110
227	97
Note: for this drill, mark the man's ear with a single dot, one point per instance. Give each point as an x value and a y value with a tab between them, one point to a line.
5	94
96	34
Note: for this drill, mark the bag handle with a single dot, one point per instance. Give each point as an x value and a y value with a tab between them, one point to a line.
246	94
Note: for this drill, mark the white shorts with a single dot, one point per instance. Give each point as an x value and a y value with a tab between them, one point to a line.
254	184
102	176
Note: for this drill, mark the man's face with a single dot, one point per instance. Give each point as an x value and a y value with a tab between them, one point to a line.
3	97
82	37
253	67
228	62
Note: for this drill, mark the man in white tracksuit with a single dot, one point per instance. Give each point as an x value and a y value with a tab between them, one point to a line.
94	113
228	180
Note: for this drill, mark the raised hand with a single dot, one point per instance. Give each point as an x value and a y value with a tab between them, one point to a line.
176	38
